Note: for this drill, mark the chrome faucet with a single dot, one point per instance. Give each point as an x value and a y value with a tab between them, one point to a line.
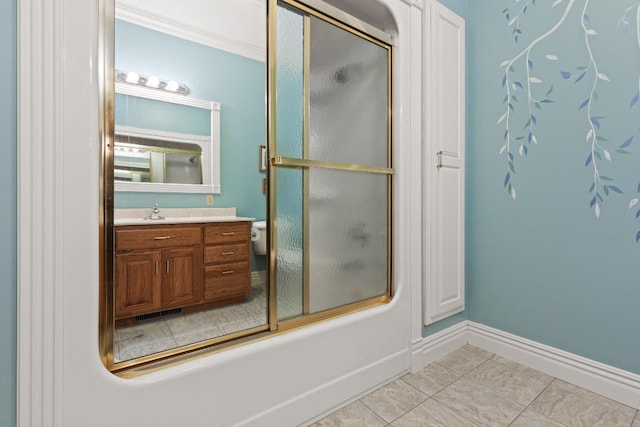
155	213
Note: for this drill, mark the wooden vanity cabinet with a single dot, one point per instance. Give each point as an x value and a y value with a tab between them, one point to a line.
157	268
227	255
192	266
137	282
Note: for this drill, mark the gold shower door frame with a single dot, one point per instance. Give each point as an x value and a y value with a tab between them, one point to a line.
154	362
381	39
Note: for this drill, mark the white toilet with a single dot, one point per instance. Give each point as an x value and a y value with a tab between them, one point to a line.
259	237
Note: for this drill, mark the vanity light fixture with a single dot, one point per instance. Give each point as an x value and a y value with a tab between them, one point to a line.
131	77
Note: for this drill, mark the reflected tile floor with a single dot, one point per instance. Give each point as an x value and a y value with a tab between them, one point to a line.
153	336
472	387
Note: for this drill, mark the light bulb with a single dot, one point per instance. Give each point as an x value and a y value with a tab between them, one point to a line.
132	77
172	85
153	81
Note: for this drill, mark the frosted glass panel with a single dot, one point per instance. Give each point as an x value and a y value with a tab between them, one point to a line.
290	83
347	237
290	116
339	217
349	99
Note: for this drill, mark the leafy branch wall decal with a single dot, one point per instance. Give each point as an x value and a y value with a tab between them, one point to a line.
600	150
521	140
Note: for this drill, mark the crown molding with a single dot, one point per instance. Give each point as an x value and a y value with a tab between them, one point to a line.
176	28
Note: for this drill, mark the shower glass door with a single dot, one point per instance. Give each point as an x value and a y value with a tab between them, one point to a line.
330	150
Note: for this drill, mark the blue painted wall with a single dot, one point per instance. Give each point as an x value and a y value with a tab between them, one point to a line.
236	82
559	263
8	145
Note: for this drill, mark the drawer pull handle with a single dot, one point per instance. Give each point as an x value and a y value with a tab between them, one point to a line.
228	253
162	238
228	272
228	233
157	268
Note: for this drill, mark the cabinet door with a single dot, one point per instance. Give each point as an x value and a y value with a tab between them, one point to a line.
181	277
445	291
137	283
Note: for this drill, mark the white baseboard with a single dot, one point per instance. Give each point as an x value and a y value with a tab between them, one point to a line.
608	381
433	347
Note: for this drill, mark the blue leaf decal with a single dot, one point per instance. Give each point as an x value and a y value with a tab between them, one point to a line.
638	188
518	84
546	101
581	76
635	99
507	178
510	156
565	74
529	138
511	106
506	134
519	31
638	236
593	202
595	122
584	104
626	143
637	214
530	63
616	189
504	80
516	37
524	11
586	18
508	16
588	161
525	149
534	120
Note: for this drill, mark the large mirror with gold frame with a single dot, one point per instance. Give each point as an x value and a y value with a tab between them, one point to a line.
187	271
189	93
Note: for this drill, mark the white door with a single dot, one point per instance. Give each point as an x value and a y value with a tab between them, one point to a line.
444	293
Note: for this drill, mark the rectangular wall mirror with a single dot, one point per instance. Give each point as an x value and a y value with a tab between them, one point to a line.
165	141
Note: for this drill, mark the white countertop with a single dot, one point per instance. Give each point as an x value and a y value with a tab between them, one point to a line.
176	216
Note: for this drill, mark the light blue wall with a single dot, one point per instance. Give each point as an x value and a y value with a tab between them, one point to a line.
236	82
544	266
8	140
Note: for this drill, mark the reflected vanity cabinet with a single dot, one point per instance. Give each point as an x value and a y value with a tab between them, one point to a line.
227	255
160	268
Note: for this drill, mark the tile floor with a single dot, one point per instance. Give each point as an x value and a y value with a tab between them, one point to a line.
153	336
472	387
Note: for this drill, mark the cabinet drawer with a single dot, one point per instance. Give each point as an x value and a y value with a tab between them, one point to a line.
157	237
226	232
227	281
226	253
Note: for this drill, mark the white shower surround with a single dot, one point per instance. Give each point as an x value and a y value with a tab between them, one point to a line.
290	379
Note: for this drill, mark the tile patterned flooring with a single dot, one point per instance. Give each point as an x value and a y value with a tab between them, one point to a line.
472	387
154	336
